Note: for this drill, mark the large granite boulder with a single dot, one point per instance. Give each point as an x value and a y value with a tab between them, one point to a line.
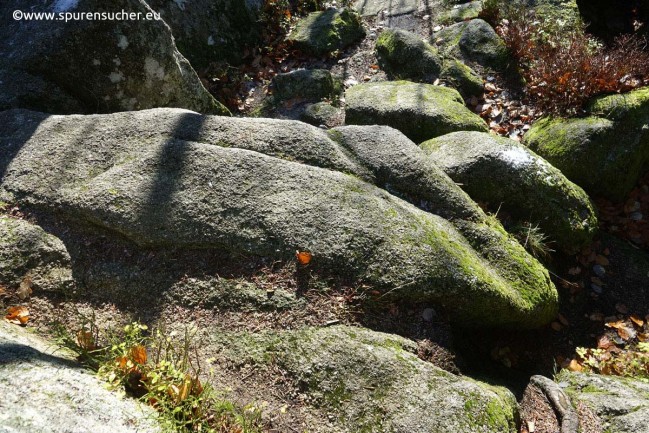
267	187
45	390
420	111
604	153
370	381
93	65
28	251
474	41
210	30
505	174
404	55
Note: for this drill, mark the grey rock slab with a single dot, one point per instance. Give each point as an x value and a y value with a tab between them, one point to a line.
267	187
45	390
326	31
373	381
621	402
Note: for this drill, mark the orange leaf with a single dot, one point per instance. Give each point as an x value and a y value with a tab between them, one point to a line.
86	340
626	333
638	321
3	290
616	325
138	354
18	315
604	342
303	257
575	366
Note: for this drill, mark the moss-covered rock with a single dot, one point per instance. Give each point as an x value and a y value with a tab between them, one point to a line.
403	55
27	250
462	78
326	31
420	111
604	153
504	173
119	65
374	382
473	41
621	402
269	187
306	84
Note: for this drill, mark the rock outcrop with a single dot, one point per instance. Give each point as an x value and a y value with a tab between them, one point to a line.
266	187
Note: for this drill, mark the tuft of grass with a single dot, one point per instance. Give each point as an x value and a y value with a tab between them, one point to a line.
533	240
163	372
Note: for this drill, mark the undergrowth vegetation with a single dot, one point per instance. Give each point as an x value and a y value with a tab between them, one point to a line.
162	371
562	65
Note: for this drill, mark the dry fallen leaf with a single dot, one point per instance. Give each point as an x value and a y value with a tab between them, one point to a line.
86	340
18	315
25	289
303	257
138	354
638	321
3	290
575	366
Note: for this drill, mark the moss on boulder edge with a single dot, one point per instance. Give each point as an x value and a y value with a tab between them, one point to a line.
403	55
373	381
605	153
192	181
504	173
420	111
323	32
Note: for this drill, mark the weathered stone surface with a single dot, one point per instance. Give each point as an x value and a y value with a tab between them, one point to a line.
420	111
623	403
388	7
375	382
326	31
403	55
44	390
27	250
462	78
605	153
504	173
172	177
211	30
311	85
474	41
90	66
323	113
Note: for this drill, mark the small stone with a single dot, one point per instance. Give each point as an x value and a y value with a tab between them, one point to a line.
599	270
437	29
428	314
636	216
597	289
